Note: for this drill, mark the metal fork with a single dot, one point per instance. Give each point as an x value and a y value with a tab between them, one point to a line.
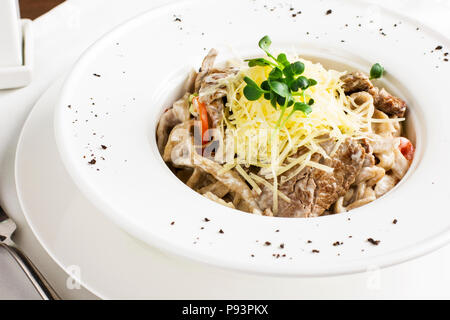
42	287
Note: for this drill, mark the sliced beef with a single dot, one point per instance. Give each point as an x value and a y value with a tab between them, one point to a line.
313	191
347	163
355	82
383	100
388	103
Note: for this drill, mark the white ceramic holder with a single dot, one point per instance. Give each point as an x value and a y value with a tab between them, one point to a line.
16	47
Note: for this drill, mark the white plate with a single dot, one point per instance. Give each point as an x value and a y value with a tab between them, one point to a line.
96	252
118	89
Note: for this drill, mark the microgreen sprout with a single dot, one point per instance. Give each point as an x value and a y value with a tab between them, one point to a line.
376	71
283	84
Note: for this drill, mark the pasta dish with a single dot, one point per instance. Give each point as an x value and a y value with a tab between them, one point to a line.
274	137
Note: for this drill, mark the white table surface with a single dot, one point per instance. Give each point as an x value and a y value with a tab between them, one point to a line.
65	32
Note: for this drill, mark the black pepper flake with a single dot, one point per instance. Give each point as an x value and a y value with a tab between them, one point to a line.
96	75
291	9
221	231
315	251
177	19
445	59
374	242
309	241
337	243
395	221
277	230
104	147
267	243
252	255
206	220
69	106
446	54
282	246
93	161
438	48
329	11
294	15
172	223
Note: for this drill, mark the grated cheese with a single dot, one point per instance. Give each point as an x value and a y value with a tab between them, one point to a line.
268	185
320	166
227	167
248	179
333	114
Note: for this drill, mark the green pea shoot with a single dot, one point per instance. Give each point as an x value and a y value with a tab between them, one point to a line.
376	71
283	84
